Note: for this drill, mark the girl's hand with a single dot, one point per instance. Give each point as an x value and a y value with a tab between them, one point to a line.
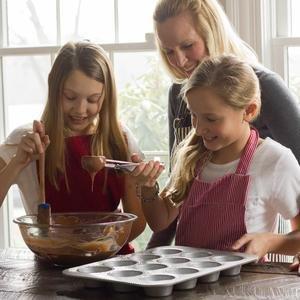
256	243
295	266
32	144
146	173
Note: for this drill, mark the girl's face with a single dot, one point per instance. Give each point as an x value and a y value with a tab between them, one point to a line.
222	127
81	101
181	43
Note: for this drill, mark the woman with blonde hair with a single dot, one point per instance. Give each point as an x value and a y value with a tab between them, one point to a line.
186	32
80	118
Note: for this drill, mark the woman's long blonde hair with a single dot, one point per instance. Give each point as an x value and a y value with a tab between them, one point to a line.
211	24
108	139
234	81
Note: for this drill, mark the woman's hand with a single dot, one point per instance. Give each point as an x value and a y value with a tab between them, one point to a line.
146	173
32	144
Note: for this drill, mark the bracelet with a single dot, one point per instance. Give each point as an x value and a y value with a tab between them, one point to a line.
148	194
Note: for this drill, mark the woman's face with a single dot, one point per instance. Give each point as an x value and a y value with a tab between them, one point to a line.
81	101
183	46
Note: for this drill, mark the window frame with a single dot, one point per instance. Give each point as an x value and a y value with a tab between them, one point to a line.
258	27
148	45
265	27
6	209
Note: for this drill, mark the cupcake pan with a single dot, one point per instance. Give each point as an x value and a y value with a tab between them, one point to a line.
160	270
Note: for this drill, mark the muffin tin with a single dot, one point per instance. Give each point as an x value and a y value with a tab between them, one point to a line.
160	270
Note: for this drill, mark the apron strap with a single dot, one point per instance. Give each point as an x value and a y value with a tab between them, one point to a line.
248	152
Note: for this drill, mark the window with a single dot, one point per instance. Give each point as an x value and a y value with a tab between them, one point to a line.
286	43
32	32
294	9
272	28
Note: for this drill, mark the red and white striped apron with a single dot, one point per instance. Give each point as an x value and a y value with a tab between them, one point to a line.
213	214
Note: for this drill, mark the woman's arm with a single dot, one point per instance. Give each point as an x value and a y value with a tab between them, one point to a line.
280	112
132	204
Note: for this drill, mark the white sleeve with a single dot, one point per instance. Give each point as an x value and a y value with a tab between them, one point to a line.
9	146
286	185
132	143
27	179
15	136
7	152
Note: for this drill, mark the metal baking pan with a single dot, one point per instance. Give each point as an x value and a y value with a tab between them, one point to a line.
160	270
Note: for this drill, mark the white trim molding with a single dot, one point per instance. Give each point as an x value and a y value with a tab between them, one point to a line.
252	20
280	51
4	232
149	45
265	26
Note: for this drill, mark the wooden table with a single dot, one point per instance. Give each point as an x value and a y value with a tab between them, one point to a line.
22	276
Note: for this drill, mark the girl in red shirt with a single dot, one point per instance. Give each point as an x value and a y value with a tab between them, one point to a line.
80	118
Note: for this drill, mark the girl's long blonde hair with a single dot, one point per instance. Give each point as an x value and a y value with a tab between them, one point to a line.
236	83
108	139
211	24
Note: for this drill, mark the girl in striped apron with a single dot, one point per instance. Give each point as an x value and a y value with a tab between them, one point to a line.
226	181
186	31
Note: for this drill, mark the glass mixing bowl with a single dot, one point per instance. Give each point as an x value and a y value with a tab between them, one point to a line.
76	238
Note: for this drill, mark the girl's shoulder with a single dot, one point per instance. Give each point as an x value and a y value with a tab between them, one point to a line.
131	141
9	147
271	152
126	131
15	136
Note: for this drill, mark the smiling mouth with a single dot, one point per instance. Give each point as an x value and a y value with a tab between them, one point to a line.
190	69
209	139
78	119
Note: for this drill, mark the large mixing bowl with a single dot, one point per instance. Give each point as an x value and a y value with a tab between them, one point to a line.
76	238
